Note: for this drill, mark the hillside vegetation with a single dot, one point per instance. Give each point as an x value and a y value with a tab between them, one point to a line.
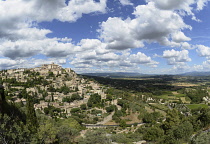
50	104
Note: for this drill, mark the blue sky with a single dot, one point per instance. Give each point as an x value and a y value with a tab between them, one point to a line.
145	36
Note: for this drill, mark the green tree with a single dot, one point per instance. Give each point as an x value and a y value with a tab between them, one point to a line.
94	100
64	89
183	131
169	138
204	116
75	97
31	118
109	97
47	132
153	134
51	89
123	124
50	74
95	137
13	130
83	107
202	138
151	117
66	99
2	99
62	131
75	110
196	95
121	138
172	119
111	108
52	96
68	130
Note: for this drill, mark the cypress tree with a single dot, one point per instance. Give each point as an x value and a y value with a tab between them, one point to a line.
31	119
52	96
2	99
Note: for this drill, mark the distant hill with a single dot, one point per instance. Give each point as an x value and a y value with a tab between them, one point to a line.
195	73
116	74
136	75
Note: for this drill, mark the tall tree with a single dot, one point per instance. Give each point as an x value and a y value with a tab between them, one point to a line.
31	119
2	99
172	119
13	131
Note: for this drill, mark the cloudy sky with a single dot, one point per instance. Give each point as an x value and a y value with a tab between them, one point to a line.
145	36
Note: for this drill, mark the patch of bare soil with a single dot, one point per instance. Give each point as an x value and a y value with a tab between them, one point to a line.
148	109
111	123
184	84
175	93
132	118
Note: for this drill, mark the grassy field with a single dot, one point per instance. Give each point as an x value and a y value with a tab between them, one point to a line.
195	106
185	84
174	96
150	110
179	95
160	111
165	97
183	99
171	95
208	89
159	106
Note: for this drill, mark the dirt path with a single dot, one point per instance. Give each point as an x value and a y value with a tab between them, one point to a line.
114	102
107	119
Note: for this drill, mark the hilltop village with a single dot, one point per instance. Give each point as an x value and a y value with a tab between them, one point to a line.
51	85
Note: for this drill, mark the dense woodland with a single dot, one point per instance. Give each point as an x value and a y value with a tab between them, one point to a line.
166	113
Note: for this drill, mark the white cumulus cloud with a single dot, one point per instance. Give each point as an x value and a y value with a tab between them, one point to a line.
149	25
203	51
176	57
125	2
